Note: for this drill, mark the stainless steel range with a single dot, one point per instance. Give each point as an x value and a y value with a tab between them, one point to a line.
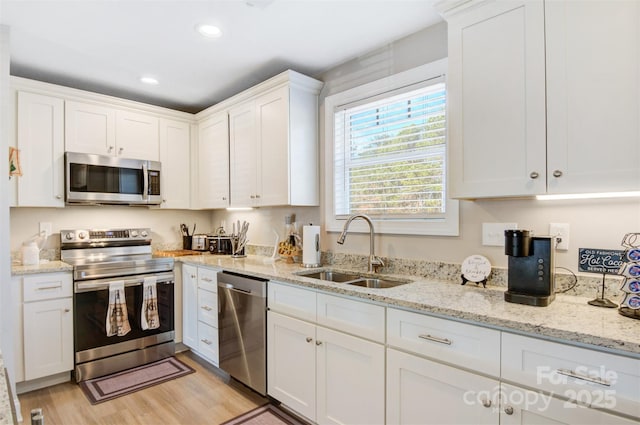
123	300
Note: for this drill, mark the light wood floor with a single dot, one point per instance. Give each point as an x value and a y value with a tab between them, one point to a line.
198	398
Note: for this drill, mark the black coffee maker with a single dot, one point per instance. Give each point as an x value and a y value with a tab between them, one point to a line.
531	268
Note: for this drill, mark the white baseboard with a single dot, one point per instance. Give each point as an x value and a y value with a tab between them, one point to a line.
47	381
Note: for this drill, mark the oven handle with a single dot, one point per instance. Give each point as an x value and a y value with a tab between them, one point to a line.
98	285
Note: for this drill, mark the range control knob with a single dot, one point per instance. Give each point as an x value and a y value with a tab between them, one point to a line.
144	234
69	236
82	235
134	233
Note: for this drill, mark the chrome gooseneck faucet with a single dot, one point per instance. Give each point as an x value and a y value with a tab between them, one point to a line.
374	262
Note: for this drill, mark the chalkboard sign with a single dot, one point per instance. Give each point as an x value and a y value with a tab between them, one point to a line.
600	260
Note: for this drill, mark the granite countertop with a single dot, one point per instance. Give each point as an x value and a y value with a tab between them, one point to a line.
42	267
6	415
568	319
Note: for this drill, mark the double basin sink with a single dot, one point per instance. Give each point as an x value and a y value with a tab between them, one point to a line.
353	279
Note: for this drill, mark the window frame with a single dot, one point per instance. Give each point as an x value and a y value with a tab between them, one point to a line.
448	225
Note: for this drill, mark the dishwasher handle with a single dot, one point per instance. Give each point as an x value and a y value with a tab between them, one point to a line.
233	288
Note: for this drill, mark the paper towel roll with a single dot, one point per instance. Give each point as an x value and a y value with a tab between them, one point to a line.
311	246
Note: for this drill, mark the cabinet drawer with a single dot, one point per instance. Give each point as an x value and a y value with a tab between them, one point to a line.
208	279
208	307
47	286
361	319
587	376
293	301
208	342
469	346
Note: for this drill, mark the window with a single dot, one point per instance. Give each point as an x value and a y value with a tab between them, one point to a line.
388	154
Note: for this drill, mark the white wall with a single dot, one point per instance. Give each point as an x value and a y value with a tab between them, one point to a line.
163	223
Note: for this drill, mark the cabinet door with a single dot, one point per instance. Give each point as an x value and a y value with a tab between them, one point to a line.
496	95
137	136
420	391
243	155
272	128
41	144
212	162
48	337
523	407
593	92
175	158
350	377
190	306
90	128
291	363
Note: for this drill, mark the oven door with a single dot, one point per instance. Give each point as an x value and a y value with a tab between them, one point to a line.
91	303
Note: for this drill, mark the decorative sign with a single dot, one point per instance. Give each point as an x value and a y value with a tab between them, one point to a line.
600	260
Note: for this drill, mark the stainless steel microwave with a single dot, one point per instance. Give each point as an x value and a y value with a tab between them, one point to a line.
101	179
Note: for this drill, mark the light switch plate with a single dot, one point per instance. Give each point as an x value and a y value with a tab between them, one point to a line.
560	230
493	233
45	227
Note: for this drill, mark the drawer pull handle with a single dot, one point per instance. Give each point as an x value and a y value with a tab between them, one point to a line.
573	374
436	339
206	307
206	341
207	279
45	288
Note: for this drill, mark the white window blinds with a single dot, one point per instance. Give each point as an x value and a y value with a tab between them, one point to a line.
389	155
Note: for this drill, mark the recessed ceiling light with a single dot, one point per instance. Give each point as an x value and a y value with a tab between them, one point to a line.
147	79
208	30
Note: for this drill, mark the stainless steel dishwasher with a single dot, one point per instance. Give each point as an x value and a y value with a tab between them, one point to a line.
242	328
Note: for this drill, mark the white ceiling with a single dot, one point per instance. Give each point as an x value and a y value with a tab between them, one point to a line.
106	45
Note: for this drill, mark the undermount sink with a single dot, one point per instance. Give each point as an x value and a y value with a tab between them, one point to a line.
354	279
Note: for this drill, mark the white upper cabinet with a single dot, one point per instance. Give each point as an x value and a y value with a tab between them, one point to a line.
104	130
593	95
543	97
496	87
274	144
175	142
40	139
212	162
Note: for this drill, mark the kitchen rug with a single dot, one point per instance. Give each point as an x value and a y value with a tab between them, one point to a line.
108	387
269	414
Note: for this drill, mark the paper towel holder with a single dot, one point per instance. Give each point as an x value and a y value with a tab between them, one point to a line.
310	248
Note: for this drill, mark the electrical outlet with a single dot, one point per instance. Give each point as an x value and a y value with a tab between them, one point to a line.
493	233
561	232
46	228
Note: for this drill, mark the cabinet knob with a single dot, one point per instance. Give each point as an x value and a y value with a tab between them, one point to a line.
252	197
508	410
110	149
224	198
58	197
66	310
534	175
318	342
309	339
486	403
193	276
120	151
557	173
257	196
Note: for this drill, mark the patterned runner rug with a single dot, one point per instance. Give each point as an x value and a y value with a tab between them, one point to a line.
108	387
268	414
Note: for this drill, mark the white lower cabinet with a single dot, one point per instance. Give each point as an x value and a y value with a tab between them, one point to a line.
525	407
328	376
44	342
200	311
421	391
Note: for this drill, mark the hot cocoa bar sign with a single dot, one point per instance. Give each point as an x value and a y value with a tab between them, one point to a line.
600	260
